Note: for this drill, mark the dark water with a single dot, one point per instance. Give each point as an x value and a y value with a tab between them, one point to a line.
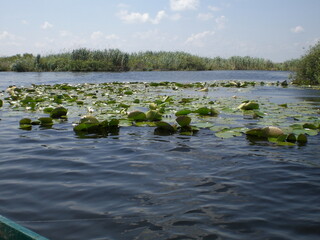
137	185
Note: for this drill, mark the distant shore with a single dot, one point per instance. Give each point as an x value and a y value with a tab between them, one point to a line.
114	60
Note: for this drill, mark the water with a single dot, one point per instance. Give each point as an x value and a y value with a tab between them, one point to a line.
138	185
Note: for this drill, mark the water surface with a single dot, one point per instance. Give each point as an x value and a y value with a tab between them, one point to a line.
137	185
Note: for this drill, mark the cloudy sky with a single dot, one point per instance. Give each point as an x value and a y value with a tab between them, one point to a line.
274	29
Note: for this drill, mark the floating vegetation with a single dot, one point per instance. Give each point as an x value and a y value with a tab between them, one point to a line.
46	121
167	108
248	105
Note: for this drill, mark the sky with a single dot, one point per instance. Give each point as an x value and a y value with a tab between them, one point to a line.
278	30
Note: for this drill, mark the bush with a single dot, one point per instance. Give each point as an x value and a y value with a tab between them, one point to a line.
23	65
308	68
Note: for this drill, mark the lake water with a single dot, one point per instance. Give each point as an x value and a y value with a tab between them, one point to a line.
137	185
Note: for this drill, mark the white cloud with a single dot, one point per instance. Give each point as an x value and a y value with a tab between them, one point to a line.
112	37
159	17
181	5
198	38
297	29
221	22
205	16
65	33
7	36
133	17
96	35
136	17
214	8
100	36
24	22
46	25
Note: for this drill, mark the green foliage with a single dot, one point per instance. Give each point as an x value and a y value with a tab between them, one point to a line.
308	68
23	65
114	60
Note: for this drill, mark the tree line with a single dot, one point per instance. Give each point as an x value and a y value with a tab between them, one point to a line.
114	60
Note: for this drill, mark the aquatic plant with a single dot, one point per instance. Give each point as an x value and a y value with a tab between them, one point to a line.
91	125
249	105
163	109
59	112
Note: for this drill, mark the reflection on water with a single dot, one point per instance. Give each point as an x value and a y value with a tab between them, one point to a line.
137	185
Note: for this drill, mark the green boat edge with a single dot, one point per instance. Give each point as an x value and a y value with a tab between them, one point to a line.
10	230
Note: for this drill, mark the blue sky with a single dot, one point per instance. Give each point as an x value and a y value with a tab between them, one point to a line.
274	29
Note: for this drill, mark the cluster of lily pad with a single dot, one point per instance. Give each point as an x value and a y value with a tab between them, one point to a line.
55	113
167	107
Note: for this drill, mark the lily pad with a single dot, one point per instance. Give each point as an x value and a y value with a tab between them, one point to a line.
257	132
89	119
291	138
183	121
153	106
87	127
48	110
164	128
153	115
228	133
137	116
25	121
302	138
310	126
205	111
250	105
59	112
183	112
46	121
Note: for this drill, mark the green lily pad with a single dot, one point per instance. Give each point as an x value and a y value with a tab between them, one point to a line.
87	127
114	123
228	133
129	92
89	119
257	132
183	121
35	122
137	116
302	138
48	110
310	132
26	127
164	128
310	126
1	102
205	111
183	112
46	121
59	112
153	115
251	105
153	106
25	121
285	105
291	138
